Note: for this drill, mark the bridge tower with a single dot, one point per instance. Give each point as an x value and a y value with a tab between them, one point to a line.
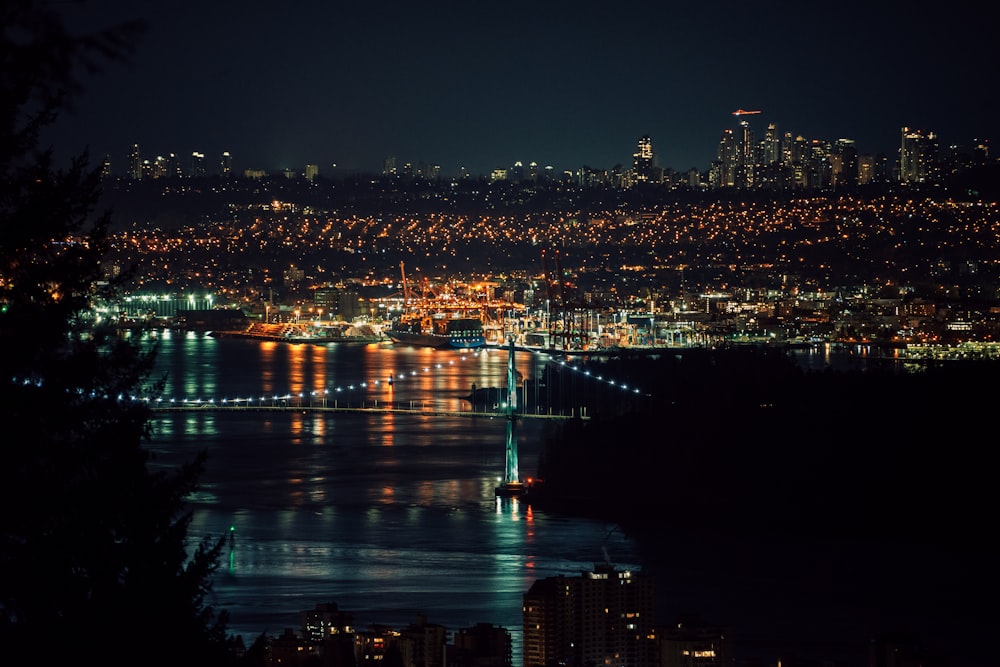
512	484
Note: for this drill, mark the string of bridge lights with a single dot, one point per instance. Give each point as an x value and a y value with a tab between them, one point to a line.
342	390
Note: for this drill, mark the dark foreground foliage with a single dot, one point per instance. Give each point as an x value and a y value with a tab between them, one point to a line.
95	563
745	442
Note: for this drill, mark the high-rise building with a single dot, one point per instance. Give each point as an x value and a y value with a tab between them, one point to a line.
422	644
694	645
482	645
197	165
226	164
134	163
786	148
745	158
847	157
325	620
771	146
517	172
161	167
604	617
866	169
818	170
312	171
642	160
173	166
917	156
727	160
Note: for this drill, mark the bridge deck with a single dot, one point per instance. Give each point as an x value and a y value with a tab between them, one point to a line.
429	412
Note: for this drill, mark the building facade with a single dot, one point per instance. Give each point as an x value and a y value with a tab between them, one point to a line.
603	617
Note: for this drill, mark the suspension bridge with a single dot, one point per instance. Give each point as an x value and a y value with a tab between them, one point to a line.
570	390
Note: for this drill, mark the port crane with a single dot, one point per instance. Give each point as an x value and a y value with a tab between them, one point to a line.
557	299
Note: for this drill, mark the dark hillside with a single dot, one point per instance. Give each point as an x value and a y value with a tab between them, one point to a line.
739	441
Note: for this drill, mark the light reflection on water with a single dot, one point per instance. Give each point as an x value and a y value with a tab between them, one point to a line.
389	516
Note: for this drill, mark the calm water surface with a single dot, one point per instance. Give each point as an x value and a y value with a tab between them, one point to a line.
393	516
389	516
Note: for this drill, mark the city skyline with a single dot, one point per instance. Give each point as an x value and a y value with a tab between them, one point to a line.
562	85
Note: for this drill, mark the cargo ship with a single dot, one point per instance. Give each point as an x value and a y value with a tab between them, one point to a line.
433	319
440	329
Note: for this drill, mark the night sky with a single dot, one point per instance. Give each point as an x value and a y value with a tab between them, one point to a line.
564	84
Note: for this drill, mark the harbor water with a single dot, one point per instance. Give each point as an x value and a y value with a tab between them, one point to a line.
393	516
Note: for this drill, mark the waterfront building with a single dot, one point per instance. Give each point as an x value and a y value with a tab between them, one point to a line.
372	646
604	617
482	645
422	644
325	620
291	650
694	645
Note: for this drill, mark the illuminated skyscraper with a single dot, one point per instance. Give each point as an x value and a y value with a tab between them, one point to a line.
161	167
847	155
727	159
771	147
197	165
226	164
917	156
312	171
642	160
517	173
134	163
745	161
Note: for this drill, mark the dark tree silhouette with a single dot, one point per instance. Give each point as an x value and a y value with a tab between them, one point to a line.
94	555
